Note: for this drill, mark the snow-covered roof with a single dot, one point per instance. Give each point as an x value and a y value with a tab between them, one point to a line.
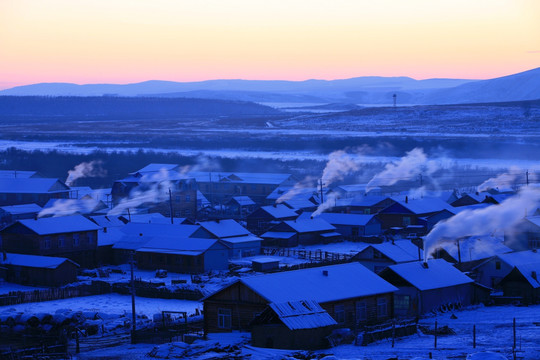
177	246
309	225
224	228
280	211
400	251
476	248
458	209
241	239
264	260
298	204
49	262
170	230
243	200
156	168
277	235
303	314
342	219
113	235
368	200
337	284
438	274
152	218
237	177
331	234
60	224
132	242
22	209
107	220
292	192
533	219
530	273
426	205
520	257
29	185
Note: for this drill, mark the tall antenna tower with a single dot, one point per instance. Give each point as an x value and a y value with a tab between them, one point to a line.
395	98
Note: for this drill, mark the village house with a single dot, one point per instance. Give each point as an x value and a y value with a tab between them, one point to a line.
522	283
240	241
292	233
220	187
367	205
491	271
182	255
410	212
10	214
262	219
18	191
354	190
73	237
239	207
181	201
377	257
18	174
426	287
470	199
38	270
525	235
353	227
353	295
292	325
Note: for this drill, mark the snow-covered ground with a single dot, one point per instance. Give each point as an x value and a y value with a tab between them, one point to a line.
108	303
494	342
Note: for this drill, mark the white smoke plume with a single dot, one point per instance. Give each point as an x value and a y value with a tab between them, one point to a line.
85	169
204	163
309	182
328	203
154	189
501	181
415	162
339	165
64	207
504	216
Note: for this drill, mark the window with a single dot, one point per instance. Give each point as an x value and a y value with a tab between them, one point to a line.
382	310
367	211
188	198
76	239
61	241
90	237
497	265
339	313
177	198
224	318
406	221
361	311
47	242
401	302
355	231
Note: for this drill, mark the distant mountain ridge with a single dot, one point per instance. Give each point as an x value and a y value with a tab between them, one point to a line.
359	90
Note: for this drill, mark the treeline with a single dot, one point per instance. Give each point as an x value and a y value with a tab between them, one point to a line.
112	107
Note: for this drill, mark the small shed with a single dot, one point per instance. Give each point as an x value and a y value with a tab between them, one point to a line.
522	282
263	264
302	325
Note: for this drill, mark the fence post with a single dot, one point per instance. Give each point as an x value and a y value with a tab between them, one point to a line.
393	333
435	334
514	330
474	336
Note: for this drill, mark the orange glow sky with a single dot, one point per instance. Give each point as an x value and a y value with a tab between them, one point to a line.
124	41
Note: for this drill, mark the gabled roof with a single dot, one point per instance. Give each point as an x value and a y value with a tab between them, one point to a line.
520	257
299	204
17	174
362	201
243	200
157	168
530	272
438	274
177	246
426	205
279	211
241	239
107	220
293	192
237	177
309	225
169	230
458	209
534	220
344	281
476	248
49	262
304	314
22	209
224	228
59	225
342	219
400	251
277	235
30	185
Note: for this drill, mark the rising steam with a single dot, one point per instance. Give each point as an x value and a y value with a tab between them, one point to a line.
86	169
308	182
504	216
502	181
65	207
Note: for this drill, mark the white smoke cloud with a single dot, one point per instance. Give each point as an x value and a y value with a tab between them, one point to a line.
85	169
504	216
154	189
309	182
501	181
64	207
329	203
414	163
340	164
204	163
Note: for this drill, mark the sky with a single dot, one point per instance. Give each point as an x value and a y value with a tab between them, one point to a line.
126	41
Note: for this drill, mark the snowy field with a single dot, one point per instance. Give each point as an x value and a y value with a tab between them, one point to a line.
109	303
494	342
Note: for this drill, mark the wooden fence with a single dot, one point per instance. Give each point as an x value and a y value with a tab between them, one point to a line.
311	255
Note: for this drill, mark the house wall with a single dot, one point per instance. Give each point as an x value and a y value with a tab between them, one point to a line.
239	250
487	274
25	198
372	259
188	264
278	336
216	258
64	274
519	287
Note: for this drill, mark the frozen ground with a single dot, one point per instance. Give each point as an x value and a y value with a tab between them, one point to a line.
494	342
109	303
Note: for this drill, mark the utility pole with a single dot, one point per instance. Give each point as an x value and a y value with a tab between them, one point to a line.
133	315
321	185
129	215
527	177
170	205
395	99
